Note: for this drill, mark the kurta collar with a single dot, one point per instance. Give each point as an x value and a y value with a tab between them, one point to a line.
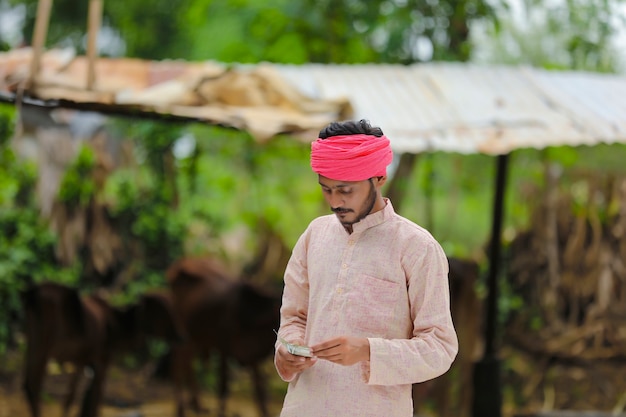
374	219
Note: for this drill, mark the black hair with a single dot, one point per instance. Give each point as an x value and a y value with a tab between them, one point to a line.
350	127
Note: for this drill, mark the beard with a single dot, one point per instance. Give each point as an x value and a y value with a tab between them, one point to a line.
366	208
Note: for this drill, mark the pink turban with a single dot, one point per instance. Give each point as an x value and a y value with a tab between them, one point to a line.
351	157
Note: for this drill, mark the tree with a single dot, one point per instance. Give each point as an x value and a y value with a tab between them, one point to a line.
570	34
147	28
337	31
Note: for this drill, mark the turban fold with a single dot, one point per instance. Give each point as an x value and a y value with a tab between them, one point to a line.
351	157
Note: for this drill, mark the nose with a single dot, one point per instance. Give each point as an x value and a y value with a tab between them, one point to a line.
335	200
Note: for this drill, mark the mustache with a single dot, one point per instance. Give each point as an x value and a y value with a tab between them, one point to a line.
340	210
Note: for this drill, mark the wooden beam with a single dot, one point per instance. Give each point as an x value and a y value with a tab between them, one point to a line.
40	34
93	27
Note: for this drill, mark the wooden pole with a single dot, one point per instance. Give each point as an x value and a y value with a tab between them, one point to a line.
94	22
487	401
39	38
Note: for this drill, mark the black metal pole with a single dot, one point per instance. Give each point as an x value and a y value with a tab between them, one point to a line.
487	400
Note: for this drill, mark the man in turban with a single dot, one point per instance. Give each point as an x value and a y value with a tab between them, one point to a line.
366	298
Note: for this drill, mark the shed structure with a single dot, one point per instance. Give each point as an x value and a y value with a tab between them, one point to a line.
450	107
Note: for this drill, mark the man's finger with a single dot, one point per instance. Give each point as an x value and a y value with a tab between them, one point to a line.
329	344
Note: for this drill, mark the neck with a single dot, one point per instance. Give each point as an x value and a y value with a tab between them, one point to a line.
378	206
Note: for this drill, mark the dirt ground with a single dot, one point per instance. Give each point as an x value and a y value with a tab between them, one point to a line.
128	394
529	386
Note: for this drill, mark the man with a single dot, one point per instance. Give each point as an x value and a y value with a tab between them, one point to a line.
365	289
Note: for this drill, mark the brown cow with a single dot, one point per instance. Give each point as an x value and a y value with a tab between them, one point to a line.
224	315
85	331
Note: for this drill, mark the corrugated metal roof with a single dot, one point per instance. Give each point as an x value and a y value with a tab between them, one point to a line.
255	99
453	107
469	108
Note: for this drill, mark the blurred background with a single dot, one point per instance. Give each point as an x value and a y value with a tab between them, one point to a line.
105	201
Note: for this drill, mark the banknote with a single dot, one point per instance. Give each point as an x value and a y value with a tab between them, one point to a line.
295	349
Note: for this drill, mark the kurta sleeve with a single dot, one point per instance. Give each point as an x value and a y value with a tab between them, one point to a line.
434	345
295	300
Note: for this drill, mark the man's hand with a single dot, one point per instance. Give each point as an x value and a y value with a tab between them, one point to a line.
289	365
343	350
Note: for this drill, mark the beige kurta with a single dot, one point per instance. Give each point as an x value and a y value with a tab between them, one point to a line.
387	281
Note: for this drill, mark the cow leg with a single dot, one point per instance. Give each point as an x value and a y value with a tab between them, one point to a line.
183	376
258	379
71	394
34	373
178	376
95	387
223	384
194	387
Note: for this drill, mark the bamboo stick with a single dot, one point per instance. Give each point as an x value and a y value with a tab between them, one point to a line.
39	38
94	22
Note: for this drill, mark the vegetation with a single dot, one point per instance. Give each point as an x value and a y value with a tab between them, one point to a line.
197	189
278	30
27	246
572	34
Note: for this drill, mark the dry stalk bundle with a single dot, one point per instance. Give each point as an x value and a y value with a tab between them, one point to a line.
574	297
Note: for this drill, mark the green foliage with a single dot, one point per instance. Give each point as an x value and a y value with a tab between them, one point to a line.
8	184
283	188
68	22
4	46
276	30
7	124
143	203
572	34
149	28
77	186
452	194
17	179
26	244
167	206
318	31
27	250
26	256
225	183
152	229
451	198
239	182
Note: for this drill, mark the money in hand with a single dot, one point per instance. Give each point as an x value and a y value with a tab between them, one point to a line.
295	349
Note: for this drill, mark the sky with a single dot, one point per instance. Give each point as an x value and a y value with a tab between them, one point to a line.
11	21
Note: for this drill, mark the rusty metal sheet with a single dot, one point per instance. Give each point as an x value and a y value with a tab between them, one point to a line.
254	99
468	108
452	107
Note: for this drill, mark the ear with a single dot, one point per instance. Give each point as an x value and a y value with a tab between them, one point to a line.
380	181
